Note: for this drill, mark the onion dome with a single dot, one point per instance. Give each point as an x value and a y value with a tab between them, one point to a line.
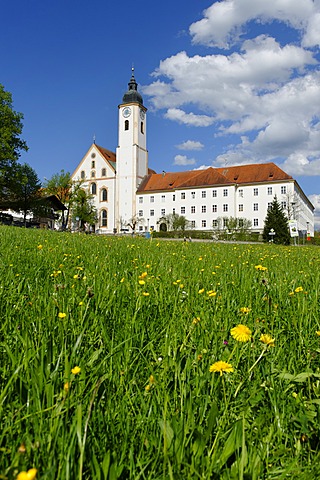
132	94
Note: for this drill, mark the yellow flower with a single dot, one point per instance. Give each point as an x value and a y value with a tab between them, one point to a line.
261	268
291	293
144	274
298	289
29	475
241	333
244	310
318	332
221	367
152	379
201	291
145	294
196	320
40	247
267	339
141	282
75	370
62	315
147	388
122	280
66	387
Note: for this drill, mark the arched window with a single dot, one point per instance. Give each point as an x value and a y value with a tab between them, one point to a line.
104	218
103	172
104	195
82	174
142	127
126	125
93	174
93	188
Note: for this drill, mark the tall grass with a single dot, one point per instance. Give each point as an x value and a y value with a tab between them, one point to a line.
144	320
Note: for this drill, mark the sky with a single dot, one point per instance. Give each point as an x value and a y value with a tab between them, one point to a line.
225	83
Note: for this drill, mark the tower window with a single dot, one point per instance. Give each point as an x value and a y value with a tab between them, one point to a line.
142	127
126	125
93	188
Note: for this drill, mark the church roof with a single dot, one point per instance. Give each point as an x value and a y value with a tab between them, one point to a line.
132	95
242	174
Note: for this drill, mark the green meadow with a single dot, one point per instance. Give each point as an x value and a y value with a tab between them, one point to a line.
122	358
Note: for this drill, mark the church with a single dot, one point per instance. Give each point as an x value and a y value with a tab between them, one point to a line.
129	196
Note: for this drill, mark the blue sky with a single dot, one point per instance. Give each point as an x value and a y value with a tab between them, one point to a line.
225	82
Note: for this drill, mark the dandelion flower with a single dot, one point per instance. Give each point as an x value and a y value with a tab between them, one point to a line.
148	388
62	315
66	387
241	333
29	475
267	339
196	320
221	367
75	370
318	332
201	291
298	289
244	310
141	282
40	247
145	294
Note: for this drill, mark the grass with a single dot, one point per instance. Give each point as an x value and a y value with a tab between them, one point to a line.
144	320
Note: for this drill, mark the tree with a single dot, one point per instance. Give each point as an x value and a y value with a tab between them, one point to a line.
83	208
24	192
277	221
60	185
10	141
176	222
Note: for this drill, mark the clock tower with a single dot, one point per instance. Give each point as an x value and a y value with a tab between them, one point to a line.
132	154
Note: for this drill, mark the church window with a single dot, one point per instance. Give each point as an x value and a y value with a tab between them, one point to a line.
93	174
142	128
93	188
103	172
104	195
82	175
93	164
126	125
104	218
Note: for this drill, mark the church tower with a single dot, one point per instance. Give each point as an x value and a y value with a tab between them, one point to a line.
132	154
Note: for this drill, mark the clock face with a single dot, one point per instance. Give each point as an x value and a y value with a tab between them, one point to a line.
142	114
126	112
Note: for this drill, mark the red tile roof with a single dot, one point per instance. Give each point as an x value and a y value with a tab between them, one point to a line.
242	174
108	155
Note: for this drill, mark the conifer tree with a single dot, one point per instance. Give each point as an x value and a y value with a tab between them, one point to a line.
276	220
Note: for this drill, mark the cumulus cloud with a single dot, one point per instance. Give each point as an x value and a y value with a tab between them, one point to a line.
189	118
183	160
190	145
223	22
263	94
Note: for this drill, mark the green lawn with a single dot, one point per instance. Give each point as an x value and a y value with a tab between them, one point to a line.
146	321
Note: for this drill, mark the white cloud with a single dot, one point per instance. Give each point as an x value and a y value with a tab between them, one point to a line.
224	21
190	145
189	118
183	160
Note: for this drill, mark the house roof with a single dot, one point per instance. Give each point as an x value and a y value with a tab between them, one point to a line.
108	155
242	174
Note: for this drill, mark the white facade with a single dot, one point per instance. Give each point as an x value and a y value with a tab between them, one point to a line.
125	193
